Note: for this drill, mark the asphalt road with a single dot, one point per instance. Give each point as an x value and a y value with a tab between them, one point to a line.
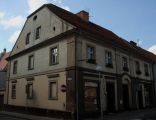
6	117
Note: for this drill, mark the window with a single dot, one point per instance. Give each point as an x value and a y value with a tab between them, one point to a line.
125	64
146	70
31	62
13	91
90	54
52	90
15	67
34	18
108	57
29	90
38	32
27	39
137	66
54	56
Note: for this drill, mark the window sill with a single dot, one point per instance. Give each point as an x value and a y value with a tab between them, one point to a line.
30	68
91	61
138	72
125	69
54	64
109	65
30	98
52	98
147	74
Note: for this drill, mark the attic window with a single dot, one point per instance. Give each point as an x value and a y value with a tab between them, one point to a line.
35	17
54	28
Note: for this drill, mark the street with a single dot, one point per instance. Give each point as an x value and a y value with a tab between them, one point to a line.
6	117
145	114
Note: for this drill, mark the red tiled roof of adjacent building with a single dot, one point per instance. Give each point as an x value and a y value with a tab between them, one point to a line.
96	30
3	61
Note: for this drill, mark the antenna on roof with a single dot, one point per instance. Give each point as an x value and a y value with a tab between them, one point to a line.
139	42
88	10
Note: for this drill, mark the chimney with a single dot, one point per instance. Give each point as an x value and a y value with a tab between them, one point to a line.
133	43
4	50
83	15
3	53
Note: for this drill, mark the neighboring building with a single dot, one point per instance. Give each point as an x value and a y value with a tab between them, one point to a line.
62	61
3	75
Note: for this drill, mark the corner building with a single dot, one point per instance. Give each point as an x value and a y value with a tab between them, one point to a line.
62	61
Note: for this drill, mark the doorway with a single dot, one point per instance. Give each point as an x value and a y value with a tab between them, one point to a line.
140	99
1	101
110	97
91	96
125	93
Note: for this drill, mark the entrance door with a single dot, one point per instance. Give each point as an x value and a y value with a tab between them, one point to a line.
125	96
1	101
91	96
140	99
110	97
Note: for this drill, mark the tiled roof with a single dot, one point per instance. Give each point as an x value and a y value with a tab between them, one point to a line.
97	30
3	62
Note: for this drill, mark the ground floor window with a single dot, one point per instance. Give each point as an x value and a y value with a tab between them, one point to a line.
13	91
52	90
29	90
147	95
91	96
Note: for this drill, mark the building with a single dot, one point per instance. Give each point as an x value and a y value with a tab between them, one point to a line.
3	75
63	62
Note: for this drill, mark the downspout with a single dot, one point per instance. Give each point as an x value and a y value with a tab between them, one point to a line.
76	81
8	80
154	81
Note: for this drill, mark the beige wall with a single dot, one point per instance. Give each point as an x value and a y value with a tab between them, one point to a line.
117	58
41	60
40	93
47	20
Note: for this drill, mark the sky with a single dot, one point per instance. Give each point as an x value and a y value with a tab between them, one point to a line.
130	19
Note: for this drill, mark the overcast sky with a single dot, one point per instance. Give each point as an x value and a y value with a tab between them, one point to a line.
130	19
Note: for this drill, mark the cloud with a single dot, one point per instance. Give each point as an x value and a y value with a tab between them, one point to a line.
66	8
2	14
17	21
14	36
152	49
35	4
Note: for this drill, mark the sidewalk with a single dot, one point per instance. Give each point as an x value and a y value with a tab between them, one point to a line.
127	115
26	116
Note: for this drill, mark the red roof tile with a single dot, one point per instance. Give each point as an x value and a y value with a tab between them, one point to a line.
3	62
98	30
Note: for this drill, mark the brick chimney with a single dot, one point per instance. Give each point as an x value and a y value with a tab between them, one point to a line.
83	15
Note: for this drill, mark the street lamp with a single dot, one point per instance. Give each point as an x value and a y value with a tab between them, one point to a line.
98	67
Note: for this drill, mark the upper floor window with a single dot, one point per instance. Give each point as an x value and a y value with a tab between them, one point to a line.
108	58
29	90
15	67
90	54
38	32
13	91
27	38
125	64
31	62
146	69
54	55
137	67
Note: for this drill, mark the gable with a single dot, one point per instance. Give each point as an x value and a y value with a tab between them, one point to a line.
51	25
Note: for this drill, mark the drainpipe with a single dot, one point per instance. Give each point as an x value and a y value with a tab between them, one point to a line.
76	81
8	79
154	80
